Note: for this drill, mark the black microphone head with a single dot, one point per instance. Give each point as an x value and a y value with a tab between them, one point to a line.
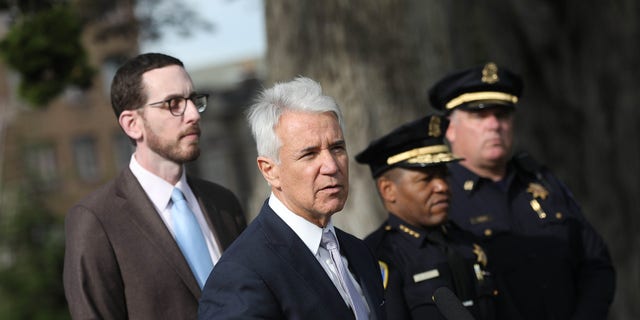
449	305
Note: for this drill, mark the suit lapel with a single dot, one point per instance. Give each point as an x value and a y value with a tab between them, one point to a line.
290	248
137	206
221	233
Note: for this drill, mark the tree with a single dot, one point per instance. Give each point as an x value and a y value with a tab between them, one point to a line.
578	114
32	249
50	59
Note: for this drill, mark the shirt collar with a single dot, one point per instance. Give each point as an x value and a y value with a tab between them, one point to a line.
471	181
308	232
418	235
157	189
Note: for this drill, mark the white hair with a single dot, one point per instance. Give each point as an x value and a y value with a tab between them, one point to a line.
300	94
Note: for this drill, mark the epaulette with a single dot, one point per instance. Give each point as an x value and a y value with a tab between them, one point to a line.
375	239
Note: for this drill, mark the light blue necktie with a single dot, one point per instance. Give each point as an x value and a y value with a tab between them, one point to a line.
355	299
189	237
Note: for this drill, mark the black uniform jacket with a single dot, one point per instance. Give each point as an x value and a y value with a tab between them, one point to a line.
547	260
415	262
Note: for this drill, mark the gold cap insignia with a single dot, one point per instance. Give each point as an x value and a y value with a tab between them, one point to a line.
429	154
490	73
434	127
537	190
481	256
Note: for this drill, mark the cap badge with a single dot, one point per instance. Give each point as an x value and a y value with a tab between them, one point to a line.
490	73
537	190
434	127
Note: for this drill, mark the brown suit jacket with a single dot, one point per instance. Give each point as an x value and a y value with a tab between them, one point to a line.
121	261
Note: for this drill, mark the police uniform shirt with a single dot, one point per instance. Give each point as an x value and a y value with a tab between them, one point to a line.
413	267
549	262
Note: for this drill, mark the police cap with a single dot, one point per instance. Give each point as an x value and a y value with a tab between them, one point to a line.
416	144
476	88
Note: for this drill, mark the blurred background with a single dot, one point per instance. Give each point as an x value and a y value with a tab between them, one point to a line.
59	140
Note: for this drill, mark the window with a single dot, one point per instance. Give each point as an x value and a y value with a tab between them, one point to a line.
84	153
42	165
76	96
109	67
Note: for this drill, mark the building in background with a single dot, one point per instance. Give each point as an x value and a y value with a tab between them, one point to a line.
227	149
73	145
70	146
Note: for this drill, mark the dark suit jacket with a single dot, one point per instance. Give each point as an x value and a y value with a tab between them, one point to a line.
122	262
269	273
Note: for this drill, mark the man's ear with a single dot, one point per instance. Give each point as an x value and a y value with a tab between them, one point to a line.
387	189
270	171
130	122
450	134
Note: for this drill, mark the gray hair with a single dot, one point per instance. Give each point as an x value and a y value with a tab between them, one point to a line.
300	94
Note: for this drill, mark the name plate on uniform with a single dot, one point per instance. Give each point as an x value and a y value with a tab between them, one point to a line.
422	276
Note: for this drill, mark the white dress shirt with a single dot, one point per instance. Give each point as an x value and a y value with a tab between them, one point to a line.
311	235
159	192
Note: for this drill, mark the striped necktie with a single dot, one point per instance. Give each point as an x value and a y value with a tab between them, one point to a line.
355	299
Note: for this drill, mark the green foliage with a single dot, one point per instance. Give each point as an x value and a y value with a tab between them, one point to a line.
32	253
44	47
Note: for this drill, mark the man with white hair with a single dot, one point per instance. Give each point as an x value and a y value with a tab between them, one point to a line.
291	262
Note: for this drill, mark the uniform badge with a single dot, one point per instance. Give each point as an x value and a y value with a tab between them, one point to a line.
490	73
481	256
384	271
537	190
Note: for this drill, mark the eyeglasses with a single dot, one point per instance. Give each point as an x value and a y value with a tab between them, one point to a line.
177	105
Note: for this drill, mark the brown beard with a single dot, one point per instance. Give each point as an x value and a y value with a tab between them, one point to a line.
172	151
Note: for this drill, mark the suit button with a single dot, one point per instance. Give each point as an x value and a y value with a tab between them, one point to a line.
488	232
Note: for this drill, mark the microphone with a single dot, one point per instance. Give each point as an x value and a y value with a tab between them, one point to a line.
449	305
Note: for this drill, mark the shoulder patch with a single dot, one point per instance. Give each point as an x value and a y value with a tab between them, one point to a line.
384	272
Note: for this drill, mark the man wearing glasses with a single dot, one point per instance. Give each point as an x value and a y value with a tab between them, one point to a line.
142	246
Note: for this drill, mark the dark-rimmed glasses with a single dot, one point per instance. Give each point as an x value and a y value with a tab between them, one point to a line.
177	105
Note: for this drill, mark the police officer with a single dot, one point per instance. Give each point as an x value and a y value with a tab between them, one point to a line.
419	251
550	261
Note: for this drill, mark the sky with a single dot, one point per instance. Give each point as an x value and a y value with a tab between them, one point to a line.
238	33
